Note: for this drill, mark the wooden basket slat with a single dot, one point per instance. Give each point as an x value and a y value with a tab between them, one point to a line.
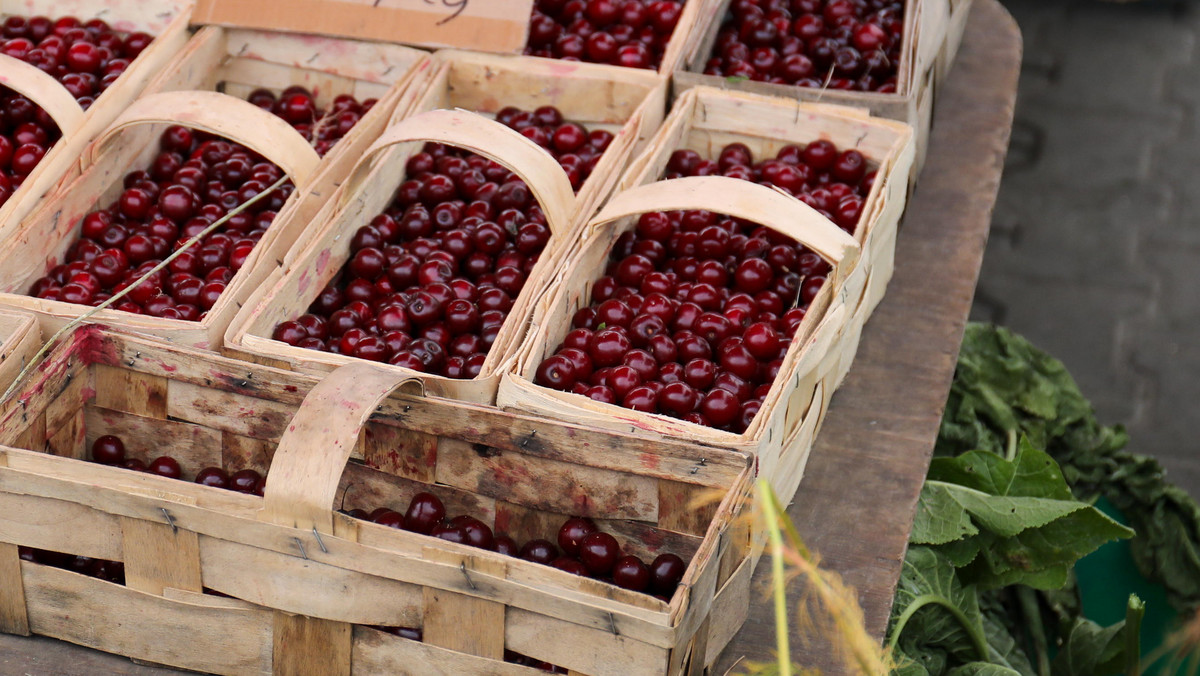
68	440
592	650
77	608
175	537
20	339
14	619
376	652
700	464
194	446
363	488
59	526
546	484
166	557
301	586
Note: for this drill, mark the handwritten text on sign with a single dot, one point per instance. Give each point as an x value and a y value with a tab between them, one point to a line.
486	25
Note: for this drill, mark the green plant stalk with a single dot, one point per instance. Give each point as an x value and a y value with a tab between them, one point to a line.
978	640
1028	601
37	358
789	529
778	581
1133	629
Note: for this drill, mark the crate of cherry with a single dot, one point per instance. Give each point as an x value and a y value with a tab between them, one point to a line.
645	34
593	118
711	308
20	338
245	519
85	60
338	93
887	56
428	259
181	161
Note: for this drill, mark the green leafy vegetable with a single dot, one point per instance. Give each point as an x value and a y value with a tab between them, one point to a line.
1008	521
939	618
1004	386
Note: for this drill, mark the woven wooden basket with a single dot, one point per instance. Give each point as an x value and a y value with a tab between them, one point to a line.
629	103
234	61
306	581
237	61
169	26
290	291
933	30
129	143
20	339
705	120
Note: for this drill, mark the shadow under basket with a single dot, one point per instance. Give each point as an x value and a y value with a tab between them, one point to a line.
301	585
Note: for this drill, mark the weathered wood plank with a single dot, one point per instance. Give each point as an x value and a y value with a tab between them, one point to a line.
879	433
305	646
464	624
159	556
13	617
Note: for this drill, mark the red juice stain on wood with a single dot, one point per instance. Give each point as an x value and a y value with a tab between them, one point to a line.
650	460
504	518
89	343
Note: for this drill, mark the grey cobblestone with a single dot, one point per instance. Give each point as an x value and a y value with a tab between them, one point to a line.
1095	248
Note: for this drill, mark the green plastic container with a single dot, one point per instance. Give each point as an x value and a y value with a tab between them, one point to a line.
1106	579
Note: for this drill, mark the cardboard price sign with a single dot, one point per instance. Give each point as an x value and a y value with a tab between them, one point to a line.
500	26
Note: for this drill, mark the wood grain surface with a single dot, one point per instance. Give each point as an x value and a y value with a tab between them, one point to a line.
856	503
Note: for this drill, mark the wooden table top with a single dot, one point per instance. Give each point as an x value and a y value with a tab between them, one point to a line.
856	503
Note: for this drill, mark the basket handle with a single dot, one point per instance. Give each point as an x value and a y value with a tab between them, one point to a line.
735	197
39	87
315	447
237	120
474	132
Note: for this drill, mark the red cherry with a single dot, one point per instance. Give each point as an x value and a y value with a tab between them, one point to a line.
599	553
665	573
539	551
245	481
572	533
213	476
570	565
425	511
165	466
630	573
108	450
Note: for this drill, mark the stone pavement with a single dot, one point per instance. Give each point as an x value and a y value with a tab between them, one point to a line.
1095	246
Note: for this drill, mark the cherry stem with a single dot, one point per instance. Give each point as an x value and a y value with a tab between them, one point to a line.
37	358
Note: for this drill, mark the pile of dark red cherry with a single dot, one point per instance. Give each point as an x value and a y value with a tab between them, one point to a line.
629	33
582	548
195	179
695	311
835	44
87	58
431	280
